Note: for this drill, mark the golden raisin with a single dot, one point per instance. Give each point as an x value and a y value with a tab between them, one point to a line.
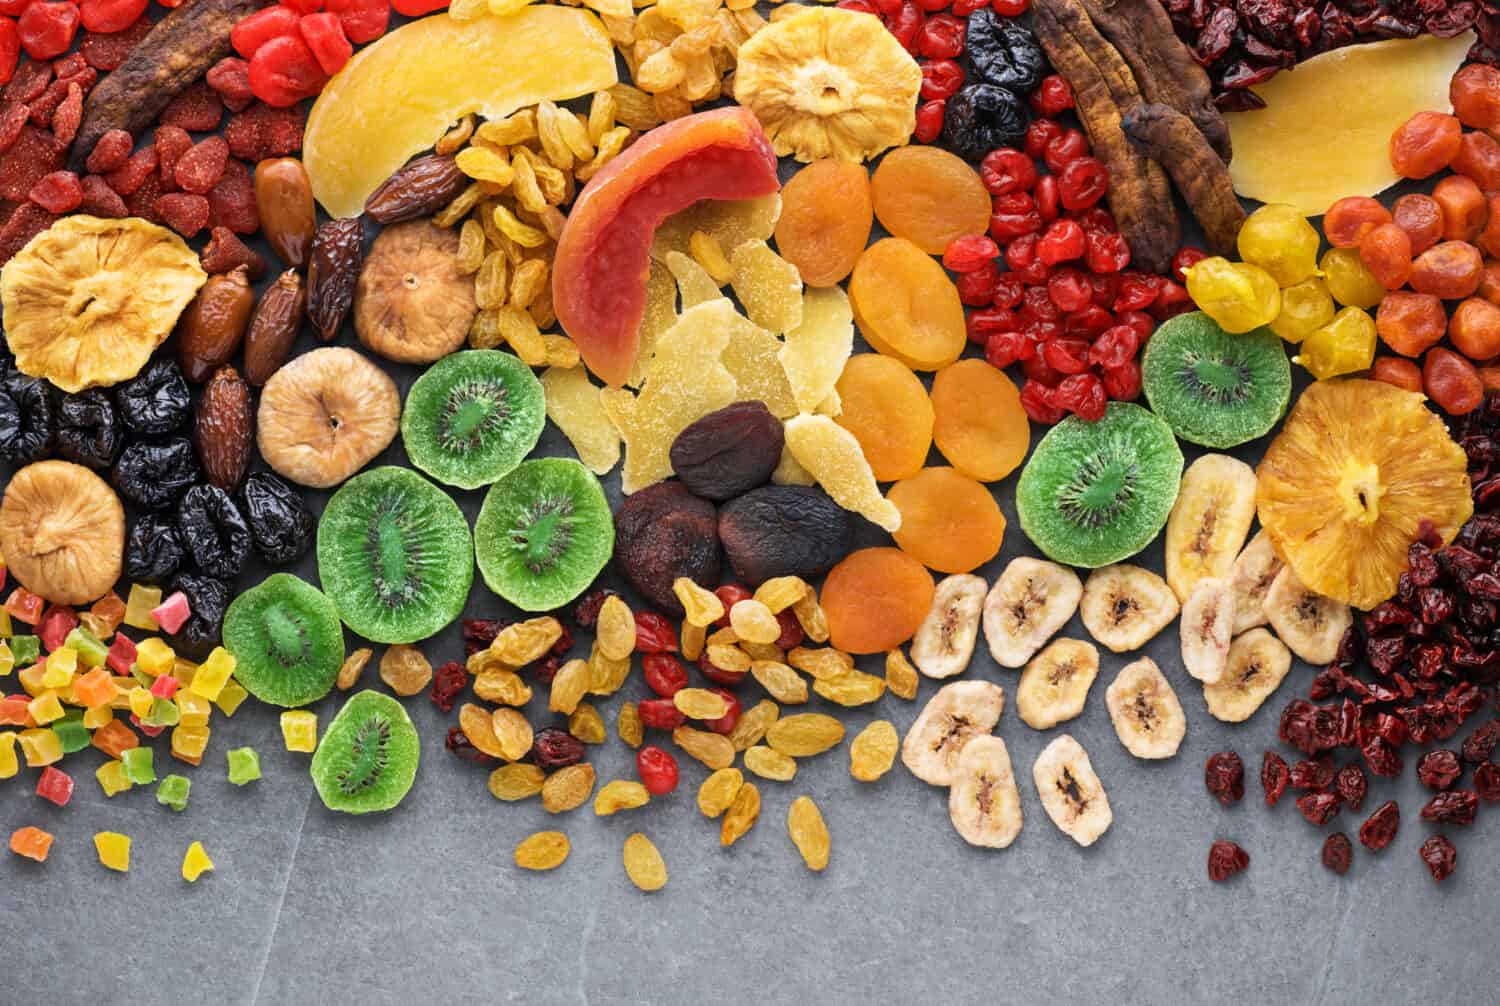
875	599
479	728
620	794
719	790
567	788
805	734
780	681
512	733
700	704
546	850
569	686
405	669
852	688
900	675
586	724
741	815
804	822
873	751
629	725
643	863
714	750
518	781
769	763
615	631
519	643
753	622
353	665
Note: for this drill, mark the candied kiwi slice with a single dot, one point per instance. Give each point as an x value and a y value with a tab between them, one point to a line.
1096	493
395	555
1213	388
544	533
286	640
367	760
472	417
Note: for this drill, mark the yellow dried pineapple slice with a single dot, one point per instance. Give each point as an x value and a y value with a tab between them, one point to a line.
1342	489
88	300
827	82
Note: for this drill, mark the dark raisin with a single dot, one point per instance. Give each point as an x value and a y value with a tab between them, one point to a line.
214	531
153	549
545	670
553	748
1480	744
479	633
28	420
587	612
464	749
281	525
1454	807
1318	808
565	643
1487	782
1380	828
1004	52
1440	856
1351	785
1224	775
156	400
983	117
1274	777
448	683
1439	769
88	429
154	474
207	597
1313	773
1225	859
1338	853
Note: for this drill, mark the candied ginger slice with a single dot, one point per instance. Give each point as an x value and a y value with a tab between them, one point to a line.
833	457
817	349
661	314
693	281
574	405
752	357
789	471
768	285
729	222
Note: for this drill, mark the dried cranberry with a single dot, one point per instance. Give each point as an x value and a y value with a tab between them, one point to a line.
1440	856
1480	745
1274	777
1107	252
1063	242
1082	183
1313	773
1036	400
448	682
654	634
1225	859
554	748
729	595
725	724
657	769
941	37
1382	758
1454	807
587	612
977	287
791	630
1351	785
664	674
970	253
660	714
1380	828
1083	395
1318	808
1047	202
479	633
545	670
1439	769
1487	782
1224	775
1123	383
1338	853
461	746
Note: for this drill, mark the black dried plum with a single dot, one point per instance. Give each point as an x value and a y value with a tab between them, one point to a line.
784	531
214	531
28	420
281	525
983	117
156	400
207	599
88	429
728	452
1004	52
153	474
663	532
153	549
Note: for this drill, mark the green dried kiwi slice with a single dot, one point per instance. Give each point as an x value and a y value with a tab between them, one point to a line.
1096	493
1214	388
472	417
367	759
395	555
286	640
544	533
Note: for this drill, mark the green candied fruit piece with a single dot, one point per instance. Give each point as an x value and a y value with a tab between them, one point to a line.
244	766
25	649
71	733
91	652
172	792
139	765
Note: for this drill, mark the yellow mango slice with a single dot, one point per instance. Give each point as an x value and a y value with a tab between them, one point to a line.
398	95
1326	128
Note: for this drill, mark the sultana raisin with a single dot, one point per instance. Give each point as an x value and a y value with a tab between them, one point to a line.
568	788
873	751
405	669
741	815
545	850
643	863
809	833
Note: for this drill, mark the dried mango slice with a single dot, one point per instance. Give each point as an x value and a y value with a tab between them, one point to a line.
752	356
832	455
661	314
731	223
768	285
694	284
684	381
817	349
574	405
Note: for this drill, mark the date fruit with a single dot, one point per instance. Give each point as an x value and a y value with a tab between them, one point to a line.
784	531
284	200
273	327
223	430
661	533
728	452
421	188
338	253
214	324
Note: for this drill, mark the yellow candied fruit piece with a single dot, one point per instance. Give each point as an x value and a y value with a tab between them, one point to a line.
45	708
193	709
40	747
97	717
9	765
112	778
143	600
189	742
1344	345
834	457
31	679
140	700
1238	295
213	673
1305	308
299	730
230	697
5	627
195	863
155	657
702	605
62	664
113	849
709	254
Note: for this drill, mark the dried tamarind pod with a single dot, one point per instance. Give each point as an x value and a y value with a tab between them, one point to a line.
1169	138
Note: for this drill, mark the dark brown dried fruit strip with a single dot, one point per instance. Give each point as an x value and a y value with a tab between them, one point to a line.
1172	140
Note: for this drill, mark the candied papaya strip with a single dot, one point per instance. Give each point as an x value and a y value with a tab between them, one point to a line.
1140	197
1141	31
1168	137
174	54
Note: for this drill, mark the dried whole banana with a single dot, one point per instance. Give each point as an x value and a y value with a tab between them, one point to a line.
1145	712
958	712
1125	606
1071	793
944	642
1028	604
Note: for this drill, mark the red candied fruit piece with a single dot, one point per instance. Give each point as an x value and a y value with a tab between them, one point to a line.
284	71
654	634
261	131
184	212
418	8
10	49
25	223
226	252
30	81
110	152
304	7
197	109
110	15
34	154
101	200
200	169
1053	96
107	52
171	143
232	201
12	117
69	114
133	173
55	785
142	202
250	33
324	35
47	28
229	78
363	20
58	192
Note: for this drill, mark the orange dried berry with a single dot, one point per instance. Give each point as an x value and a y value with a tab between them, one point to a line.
875	599
1386	252
1402	373
930	197
1449	270
978	421
1475	329
886	408
1464	208
1409	322
906	306
1351	218
825	220
1425	144
1421	218
949	522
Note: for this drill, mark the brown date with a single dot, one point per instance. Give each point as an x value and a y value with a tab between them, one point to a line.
214	323
273	328
284	200
223	428
338	252
419	189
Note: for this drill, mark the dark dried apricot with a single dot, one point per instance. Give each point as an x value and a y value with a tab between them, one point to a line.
661	533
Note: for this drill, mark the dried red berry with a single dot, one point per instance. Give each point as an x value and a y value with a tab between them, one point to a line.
586	614
34	154
1454	807
1313	773
1380	828
657	769
58	192
69	115
448	683
1318	808
553	748
200	168
725	724
284	71
1225	859
1480	745
13	117
184	212
1351	785
197	109
133	173
654	634
1440	856
1224	775
232	201
660	714
26	222
970	253
458	742
105	52
1439	769
47	28
229	78
111	151
730	594
261	131
929	124
171	143
718	675
30	80
664	674
1338	853
102	201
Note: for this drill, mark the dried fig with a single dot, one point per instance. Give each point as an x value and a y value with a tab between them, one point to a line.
412	304
62	532
784	531
728	452
325	415
661	533
222	429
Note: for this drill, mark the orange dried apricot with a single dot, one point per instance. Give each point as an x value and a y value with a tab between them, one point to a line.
886	408
1425	144
1421	218
1464	208
1450	270
906	306
825	221
1489	281
875	599
949	522
929	197
978	421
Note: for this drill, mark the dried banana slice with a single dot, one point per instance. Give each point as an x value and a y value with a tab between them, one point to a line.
1028	604
1258	662
984	803
1055	685
1309	623
1207	621
958	712
88	300
827	82
1147	716
1071	793
1254	572
944	642
1125	606
1209	522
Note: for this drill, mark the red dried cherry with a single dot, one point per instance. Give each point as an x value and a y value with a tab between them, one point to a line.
654	634
718	675
1063	242
660	714
941	78
970	253
448	682
1137	292
249	34
1039	135
1004	348
1007	170
986	321
1274	777
1065	149
1185	259
1070	289
1123	383
284	71
729	595
929	125
1036	399
1010	8
657	769
941	37
1083	395
1107	252
1439	769
664	674
725	724
1087	322
906	25
791	630
1045	194
1114	346
976	288
1053	96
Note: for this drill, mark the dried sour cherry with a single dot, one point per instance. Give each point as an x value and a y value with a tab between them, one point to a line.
981	118
553	748
1004	52
1225	859
281	526
153	549
28	419
1224	775
1440	856
88	429
1338	853
214	531
207	599
156	400
154	474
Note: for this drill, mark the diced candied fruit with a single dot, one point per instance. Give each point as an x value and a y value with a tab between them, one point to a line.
55	786
299	730
113	849
244	765
139	765
768	286
31	842
138	608
195	863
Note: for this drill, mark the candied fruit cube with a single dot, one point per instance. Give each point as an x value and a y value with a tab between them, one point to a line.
244	765
122	652
96	688
112	778
61	663
230	697
5	627
138	609
164	687
115	738
15	710
299	730
9	764
26	649
110	611
57	621
32	843
163	713
189	743
91	652
24	606
7	659
140	767
98	716
154	657
113	849
140	701
71	733
173	613
40	746
195	863
55	785
45	708
31	678
172	792
193	709
211	675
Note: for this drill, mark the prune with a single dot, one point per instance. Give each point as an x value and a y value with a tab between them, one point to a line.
981	118
88	429
1455	807
1004	52
153	474
1225	859
552	748
664	532
153	549
207	598
214	531
28	420
281	526
1224	775
157	399
728	452
1338	852
1440	856
784	531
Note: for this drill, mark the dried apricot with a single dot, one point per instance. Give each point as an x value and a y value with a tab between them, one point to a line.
1464	209
1409	322
1420	217
1425	144
1395	370
1475	329
929	196
949	522
1386	252
906	306
875	600
979	423
1449	270
826	215
886	408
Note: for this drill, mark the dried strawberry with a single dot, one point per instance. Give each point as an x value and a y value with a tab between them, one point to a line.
58	192
232	201
261	131
184	212
101	200
171	143
13	116
30	81
200	169
68	115
142	202
111	151
34	154
230	80
47	28
284	71
25	223
133	173
226	252
363	20
197	109
265	25
46	103
106	52
10	49
324	35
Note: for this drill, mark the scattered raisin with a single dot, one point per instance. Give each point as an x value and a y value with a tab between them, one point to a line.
1380	827
1440	856
1224	775
553	748
448	683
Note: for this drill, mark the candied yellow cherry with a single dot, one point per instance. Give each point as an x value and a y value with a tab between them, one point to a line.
1305	308
1348	280
1238	295
1279	239
1344	345
886	408
949	522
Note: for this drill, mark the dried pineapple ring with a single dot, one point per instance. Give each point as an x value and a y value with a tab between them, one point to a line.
88	300
828	82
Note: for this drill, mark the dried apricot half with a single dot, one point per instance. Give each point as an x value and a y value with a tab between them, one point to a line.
886	408
929	196
875	599
978	421
906	306
949	522
826	215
